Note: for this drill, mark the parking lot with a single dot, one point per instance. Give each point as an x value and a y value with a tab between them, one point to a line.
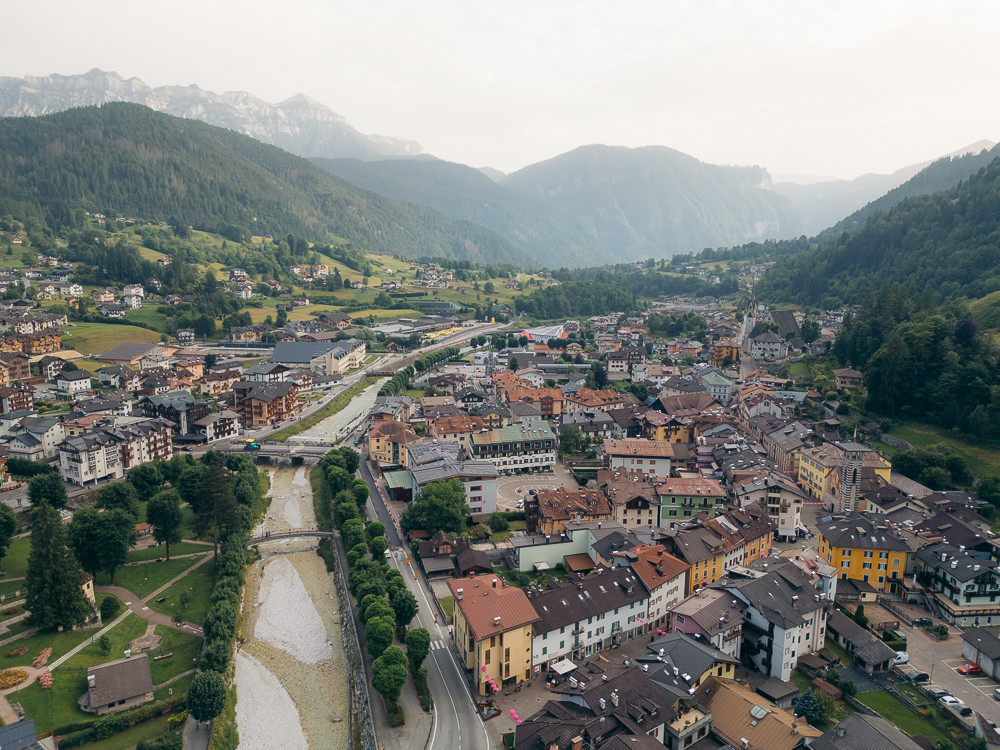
512	488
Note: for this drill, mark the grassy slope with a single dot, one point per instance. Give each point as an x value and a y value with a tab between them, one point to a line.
983	460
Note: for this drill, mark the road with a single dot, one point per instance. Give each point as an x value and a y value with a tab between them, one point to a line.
456	722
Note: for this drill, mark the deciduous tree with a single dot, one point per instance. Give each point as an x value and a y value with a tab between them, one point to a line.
48	488
418	645
206	696
163	513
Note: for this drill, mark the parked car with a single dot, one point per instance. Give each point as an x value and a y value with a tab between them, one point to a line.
520	503
934	692
951	701
923	622
918	676
970	669
901	657
996	694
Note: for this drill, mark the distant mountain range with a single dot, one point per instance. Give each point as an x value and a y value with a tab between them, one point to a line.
299	124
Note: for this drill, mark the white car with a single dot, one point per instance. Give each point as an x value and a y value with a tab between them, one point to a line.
901	657
950	700
520	503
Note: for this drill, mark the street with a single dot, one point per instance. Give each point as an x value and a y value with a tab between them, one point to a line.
456	722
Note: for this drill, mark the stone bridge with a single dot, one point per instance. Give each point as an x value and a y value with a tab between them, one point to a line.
289	535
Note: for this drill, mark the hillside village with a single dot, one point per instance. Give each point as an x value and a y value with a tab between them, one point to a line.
664	474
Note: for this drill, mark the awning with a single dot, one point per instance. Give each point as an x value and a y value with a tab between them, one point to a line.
564	666
540	566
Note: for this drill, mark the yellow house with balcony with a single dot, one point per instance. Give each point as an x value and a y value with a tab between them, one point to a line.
865	550
820	467
493	626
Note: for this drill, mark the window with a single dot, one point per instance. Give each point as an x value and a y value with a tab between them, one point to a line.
506	654
868	553
545	650
867	566
883	555
486	660
881	566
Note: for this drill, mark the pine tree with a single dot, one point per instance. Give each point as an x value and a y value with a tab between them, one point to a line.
54	581
809	707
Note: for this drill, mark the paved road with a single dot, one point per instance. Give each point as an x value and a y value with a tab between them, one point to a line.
456	722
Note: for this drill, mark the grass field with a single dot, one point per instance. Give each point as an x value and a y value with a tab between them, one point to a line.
120	636
95	338
131	737
177	549
184	647
143	579
891	709
982	460
199	585
60	643
15	562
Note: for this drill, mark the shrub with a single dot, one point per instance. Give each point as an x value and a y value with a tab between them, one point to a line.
42	659
17	651
11	677
110	607
45	680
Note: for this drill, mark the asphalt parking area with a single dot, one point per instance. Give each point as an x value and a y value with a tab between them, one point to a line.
516	487
984	685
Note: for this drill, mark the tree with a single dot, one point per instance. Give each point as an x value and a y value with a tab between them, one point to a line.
512	364
215	657
499	523
375	528
8	525
859	615
216	509
418	645
120	495
206	696
826	706
54	580
388	678
163	513
404	605
440	507
810	331
48	488
146	478
378	546
210	360
809	707
101	541
378	634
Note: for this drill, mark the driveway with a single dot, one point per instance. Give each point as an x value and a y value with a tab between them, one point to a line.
512	488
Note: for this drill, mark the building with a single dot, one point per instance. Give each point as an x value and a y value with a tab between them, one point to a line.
587	400
780	497
548	400
16	366
713	616
267	372
847	378
663	575
785	618
768	345
388	443
865	548
962	583
871	653
456	429
493	627
118	685
518	448
633	497
218	425
684	497
36	438
981	646
638	455
744	719
860	731
550	509
324	358
821	471
13	398
109	452
74	381
265	404
179	407
587	616
479	481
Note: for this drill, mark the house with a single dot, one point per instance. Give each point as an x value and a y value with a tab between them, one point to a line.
585	617
663	575
179	407
267	372
549	509
587	400
743	719
134	290
14	399
871	654
113	310
847	378
50	366
118	685
549	400
860	731
493	629
633	497
132	301
713	616
185	336
779	496
438	554
265	404
220	381
16	366
963	584
768	345
74	381
684	497
218	425
456	429
479	481
865	548
36	437
103	296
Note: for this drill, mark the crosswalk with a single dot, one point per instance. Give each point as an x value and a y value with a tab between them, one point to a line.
439	643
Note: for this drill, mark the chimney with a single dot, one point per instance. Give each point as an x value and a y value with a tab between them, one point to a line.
614	698
496	620
461	594
576	743
494	583
795	602
90	681
744	743
602	703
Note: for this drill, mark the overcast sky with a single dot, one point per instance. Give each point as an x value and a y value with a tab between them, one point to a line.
834	88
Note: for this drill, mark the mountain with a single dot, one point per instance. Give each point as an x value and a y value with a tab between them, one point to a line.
821	204
943	244
657	202
536	228
127	159
299	124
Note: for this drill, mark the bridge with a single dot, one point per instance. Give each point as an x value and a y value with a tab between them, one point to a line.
289	535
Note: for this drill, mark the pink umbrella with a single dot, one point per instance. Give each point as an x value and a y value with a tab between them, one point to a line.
484	669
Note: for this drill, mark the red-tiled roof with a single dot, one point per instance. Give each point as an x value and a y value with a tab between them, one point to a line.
491	607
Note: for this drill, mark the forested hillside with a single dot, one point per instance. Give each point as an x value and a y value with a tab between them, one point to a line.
540	231
948	242
125	159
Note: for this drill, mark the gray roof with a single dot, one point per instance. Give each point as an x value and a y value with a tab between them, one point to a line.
179	400
443	470
771	595
588	597
263	391
690	656
715	611
127	351
961	565
857	530
19	735
987	641
300	352
863	732
120	680
866	644
431	451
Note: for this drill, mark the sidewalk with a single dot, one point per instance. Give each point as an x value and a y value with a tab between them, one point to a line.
415	733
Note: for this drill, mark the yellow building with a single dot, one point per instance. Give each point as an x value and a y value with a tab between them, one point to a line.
388	441
820	467
493	629
722	350
864	550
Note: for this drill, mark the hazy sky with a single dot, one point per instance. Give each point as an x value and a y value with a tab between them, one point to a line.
829	88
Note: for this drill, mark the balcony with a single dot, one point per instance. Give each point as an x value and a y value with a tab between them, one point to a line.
577	631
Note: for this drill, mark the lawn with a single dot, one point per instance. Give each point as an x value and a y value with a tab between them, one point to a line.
128	739
184	646
448	605
15	562
60	643
57	706
120	636
841	654
144	579
177	549
7	588
199	585
890	708
982	460
94	338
